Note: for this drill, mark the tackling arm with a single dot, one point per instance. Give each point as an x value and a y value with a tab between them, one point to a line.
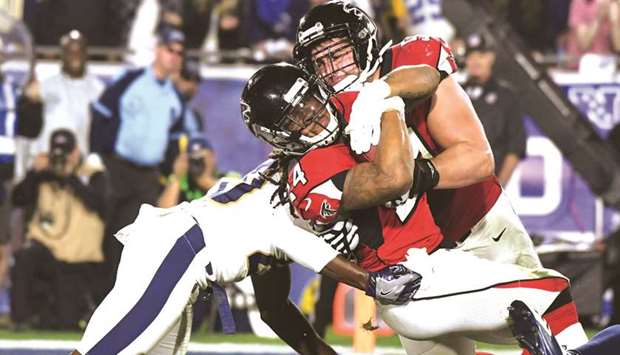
389	176
413	82
455	126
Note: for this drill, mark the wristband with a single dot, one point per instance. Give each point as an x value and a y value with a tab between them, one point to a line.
425	177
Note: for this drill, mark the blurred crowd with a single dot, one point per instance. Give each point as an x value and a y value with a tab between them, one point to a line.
560	31
74	200
95	153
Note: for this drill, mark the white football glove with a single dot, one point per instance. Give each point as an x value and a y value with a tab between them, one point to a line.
365	119
364	127
342	237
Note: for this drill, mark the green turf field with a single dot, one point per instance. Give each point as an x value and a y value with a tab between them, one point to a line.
203	337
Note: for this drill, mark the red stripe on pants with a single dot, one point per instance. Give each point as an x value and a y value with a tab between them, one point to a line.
553	284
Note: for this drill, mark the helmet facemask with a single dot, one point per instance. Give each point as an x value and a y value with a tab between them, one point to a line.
318	47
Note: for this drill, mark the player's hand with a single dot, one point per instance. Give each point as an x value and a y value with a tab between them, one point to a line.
342	237
394	284
365	120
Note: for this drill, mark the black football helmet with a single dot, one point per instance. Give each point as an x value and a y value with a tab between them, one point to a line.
350	28
289	109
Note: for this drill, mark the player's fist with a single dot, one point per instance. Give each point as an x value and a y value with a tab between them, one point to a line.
342	236
394	284
364	137
365	120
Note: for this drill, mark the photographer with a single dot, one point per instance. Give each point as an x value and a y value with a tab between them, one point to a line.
193	173
64	197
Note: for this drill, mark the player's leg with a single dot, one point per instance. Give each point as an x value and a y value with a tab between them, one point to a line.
153	287
500	236
606	342
531	332
466	295
177	340
446	345
534	337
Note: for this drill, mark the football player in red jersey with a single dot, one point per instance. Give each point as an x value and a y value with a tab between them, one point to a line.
458	299
338	42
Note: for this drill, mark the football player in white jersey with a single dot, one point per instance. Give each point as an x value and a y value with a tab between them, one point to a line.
170	253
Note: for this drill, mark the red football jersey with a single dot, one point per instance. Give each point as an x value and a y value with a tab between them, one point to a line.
456	211
316	183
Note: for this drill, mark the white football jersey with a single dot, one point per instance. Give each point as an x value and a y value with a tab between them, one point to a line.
237	220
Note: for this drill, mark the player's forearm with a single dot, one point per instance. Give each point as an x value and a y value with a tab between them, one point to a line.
413	82
342	270
271	291
508	167
292	327
462	165
388	176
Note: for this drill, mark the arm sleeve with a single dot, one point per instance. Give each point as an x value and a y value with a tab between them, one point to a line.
91	195
105	114
515	131
26	192
30	117
300	245
425	50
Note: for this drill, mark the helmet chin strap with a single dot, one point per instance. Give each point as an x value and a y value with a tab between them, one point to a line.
326	137
345	83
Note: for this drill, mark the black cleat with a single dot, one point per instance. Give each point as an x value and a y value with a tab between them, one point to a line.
530	332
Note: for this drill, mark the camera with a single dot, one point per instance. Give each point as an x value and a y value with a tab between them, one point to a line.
196	150
196	165
62	143
58	160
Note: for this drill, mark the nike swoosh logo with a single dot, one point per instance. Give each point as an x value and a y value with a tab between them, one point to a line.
384	293
496	239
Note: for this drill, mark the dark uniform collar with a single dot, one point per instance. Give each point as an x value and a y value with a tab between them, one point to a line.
475	90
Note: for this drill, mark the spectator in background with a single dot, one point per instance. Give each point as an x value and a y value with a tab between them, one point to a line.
65	197
131	128
270	27
194	173
196	16
187	84
497	106
594	28
66	96
48	20
426	19
17	119
229	34
151	17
